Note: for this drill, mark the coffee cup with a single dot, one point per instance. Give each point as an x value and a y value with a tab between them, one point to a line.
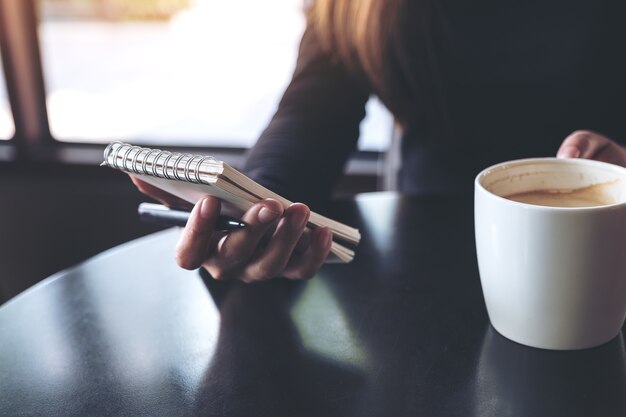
551	247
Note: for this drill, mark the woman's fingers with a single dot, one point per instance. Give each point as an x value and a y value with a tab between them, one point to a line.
272	260
236	249
273	243
195	239
582	144
305	264
591	145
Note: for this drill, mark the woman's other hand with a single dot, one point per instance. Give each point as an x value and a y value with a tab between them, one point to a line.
591	145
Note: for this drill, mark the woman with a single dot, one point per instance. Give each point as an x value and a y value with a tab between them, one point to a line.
470	85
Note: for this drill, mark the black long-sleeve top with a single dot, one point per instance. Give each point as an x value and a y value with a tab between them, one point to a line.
518	76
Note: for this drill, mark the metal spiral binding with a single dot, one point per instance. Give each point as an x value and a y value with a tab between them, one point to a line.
135	160
175	166
196	171
154	163
186	169
144	169
139	162
107	151
117	151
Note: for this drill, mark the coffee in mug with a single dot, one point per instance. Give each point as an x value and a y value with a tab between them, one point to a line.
590	196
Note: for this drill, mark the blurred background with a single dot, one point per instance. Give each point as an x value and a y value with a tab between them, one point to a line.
199	75
182	72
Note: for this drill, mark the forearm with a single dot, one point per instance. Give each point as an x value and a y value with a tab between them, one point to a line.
302	152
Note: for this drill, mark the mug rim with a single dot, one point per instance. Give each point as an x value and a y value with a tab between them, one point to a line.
478	186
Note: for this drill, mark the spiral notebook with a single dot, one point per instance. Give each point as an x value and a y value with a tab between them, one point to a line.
191	177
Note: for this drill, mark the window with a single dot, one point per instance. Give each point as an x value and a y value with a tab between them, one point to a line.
203	72
7	126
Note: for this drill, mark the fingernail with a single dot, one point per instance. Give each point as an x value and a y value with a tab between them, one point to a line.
298	219
205	208
267	215
569	152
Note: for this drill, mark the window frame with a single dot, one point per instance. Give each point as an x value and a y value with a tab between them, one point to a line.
23	72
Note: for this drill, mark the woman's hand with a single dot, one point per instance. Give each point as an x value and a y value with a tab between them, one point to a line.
273	244
266	248
591	145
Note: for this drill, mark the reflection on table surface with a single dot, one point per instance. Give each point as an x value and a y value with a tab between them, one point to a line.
400	331
516	380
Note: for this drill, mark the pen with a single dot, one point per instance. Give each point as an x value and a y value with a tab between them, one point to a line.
162	215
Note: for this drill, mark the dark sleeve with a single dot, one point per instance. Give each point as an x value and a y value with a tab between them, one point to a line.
301	154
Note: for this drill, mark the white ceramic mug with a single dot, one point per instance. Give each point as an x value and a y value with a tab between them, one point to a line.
552	277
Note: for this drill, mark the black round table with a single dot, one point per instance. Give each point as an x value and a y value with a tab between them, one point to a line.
401	331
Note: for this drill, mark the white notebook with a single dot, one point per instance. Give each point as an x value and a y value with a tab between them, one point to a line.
191	177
